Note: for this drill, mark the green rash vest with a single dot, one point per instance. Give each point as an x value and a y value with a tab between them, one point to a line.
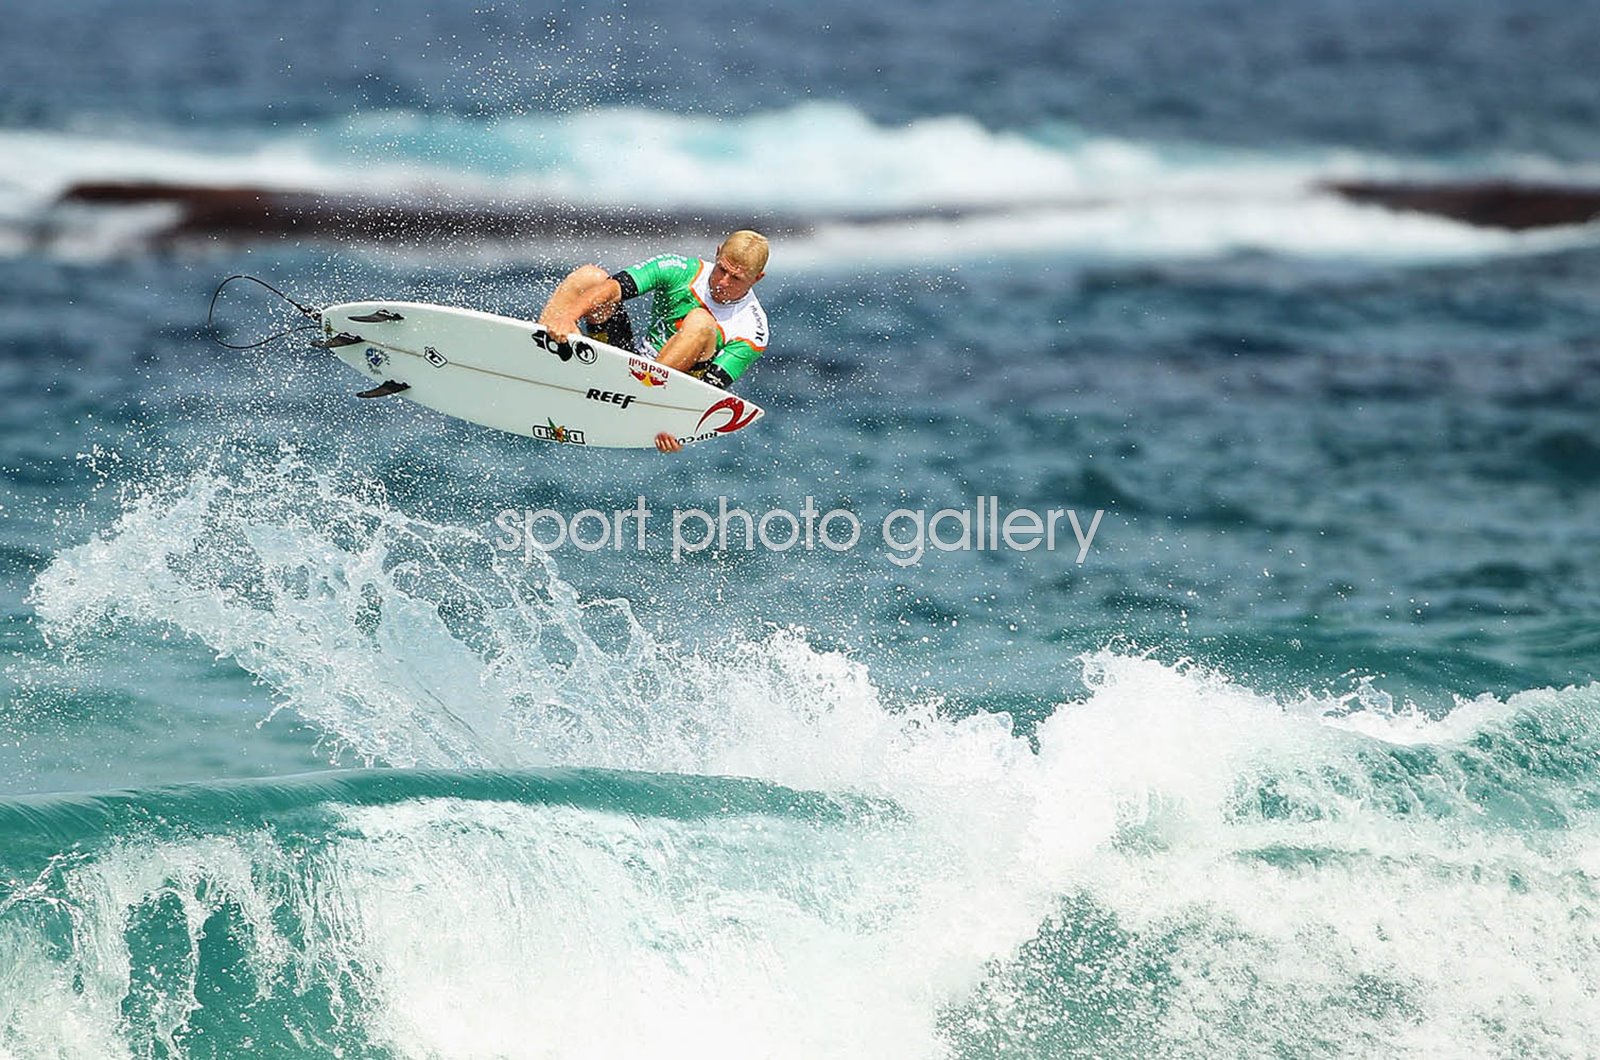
679	286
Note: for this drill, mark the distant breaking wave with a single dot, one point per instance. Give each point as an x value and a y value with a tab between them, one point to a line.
835	183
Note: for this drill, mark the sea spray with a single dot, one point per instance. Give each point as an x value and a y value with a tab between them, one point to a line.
1182	865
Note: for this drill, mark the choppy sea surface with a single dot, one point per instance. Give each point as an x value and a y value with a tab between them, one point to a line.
1297	756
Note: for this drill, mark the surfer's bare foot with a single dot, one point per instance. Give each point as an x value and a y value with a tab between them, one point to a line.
667	442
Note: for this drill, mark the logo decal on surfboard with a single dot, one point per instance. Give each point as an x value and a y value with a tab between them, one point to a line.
376	358
737	416
564	350
434	357
553	433
614	397
648	373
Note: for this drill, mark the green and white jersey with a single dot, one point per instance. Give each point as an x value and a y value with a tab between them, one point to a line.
679	286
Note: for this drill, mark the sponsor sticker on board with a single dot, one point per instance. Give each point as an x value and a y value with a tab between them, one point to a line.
647	372
738	415
563	348
550	432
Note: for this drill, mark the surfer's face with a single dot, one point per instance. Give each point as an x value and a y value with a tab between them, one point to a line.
730	281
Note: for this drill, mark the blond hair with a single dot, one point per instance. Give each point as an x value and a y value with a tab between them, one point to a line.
746	248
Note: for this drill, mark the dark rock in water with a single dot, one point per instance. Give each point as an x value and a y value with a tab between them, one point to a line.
1487	204
242	213
252	213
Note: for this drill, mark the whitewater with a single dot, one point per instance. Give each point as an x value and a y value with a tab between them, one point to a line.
869	193
778	857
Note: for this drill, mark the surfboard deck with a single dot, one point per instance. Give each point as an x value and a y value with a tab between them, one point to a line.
513	376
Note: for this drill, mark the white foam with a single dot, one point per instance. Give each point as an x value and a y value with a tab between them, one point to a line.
1298	880
711	938
1310	227
960	189
38	165
812	157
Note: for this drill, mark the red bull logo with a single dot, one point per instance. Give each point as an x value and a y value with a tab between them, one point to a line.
649	373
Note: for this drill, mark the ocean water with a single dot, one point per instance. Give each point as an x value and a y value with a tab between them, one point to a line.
1298	755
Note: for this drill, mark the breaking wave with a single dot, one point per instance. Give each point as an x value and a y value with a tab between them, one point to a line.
757	849
862	191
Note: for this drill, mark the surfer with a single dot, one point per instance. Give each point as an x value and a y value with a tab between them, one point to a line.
704	316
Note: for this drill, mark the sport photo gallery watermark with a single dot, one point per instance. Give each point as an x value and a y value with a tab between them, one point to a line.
906	535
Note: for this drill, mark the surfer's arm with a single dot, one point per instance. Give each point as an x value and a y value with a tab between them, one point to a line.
732	361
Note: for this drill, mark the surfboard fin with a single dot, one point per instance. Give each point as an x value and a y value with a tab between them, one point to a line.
384	389
380	316
333	342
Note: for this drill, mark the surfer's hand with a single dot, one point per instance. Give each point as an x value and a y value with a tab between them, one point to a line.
667	442
558	329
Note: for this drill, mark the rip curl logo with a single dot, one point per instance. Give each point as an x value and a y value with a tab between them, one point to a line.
376	358
648	373
551	432
738	415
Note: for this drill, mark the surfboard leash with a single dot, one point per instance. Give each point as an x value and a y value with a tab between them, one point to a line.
314	314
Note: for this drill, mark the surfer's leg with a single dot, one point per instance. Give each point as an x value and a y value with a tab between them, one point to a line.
580	296
694	341
616	329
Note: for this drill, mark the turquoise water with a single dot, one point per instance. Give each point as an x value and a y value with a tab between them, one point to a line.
1301	759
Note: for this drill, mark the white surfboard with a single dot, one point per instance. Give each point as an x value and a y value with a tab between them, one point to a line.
511	375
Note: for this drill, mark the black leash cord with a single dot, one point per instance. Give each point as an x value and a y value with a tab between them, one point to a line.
315	315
